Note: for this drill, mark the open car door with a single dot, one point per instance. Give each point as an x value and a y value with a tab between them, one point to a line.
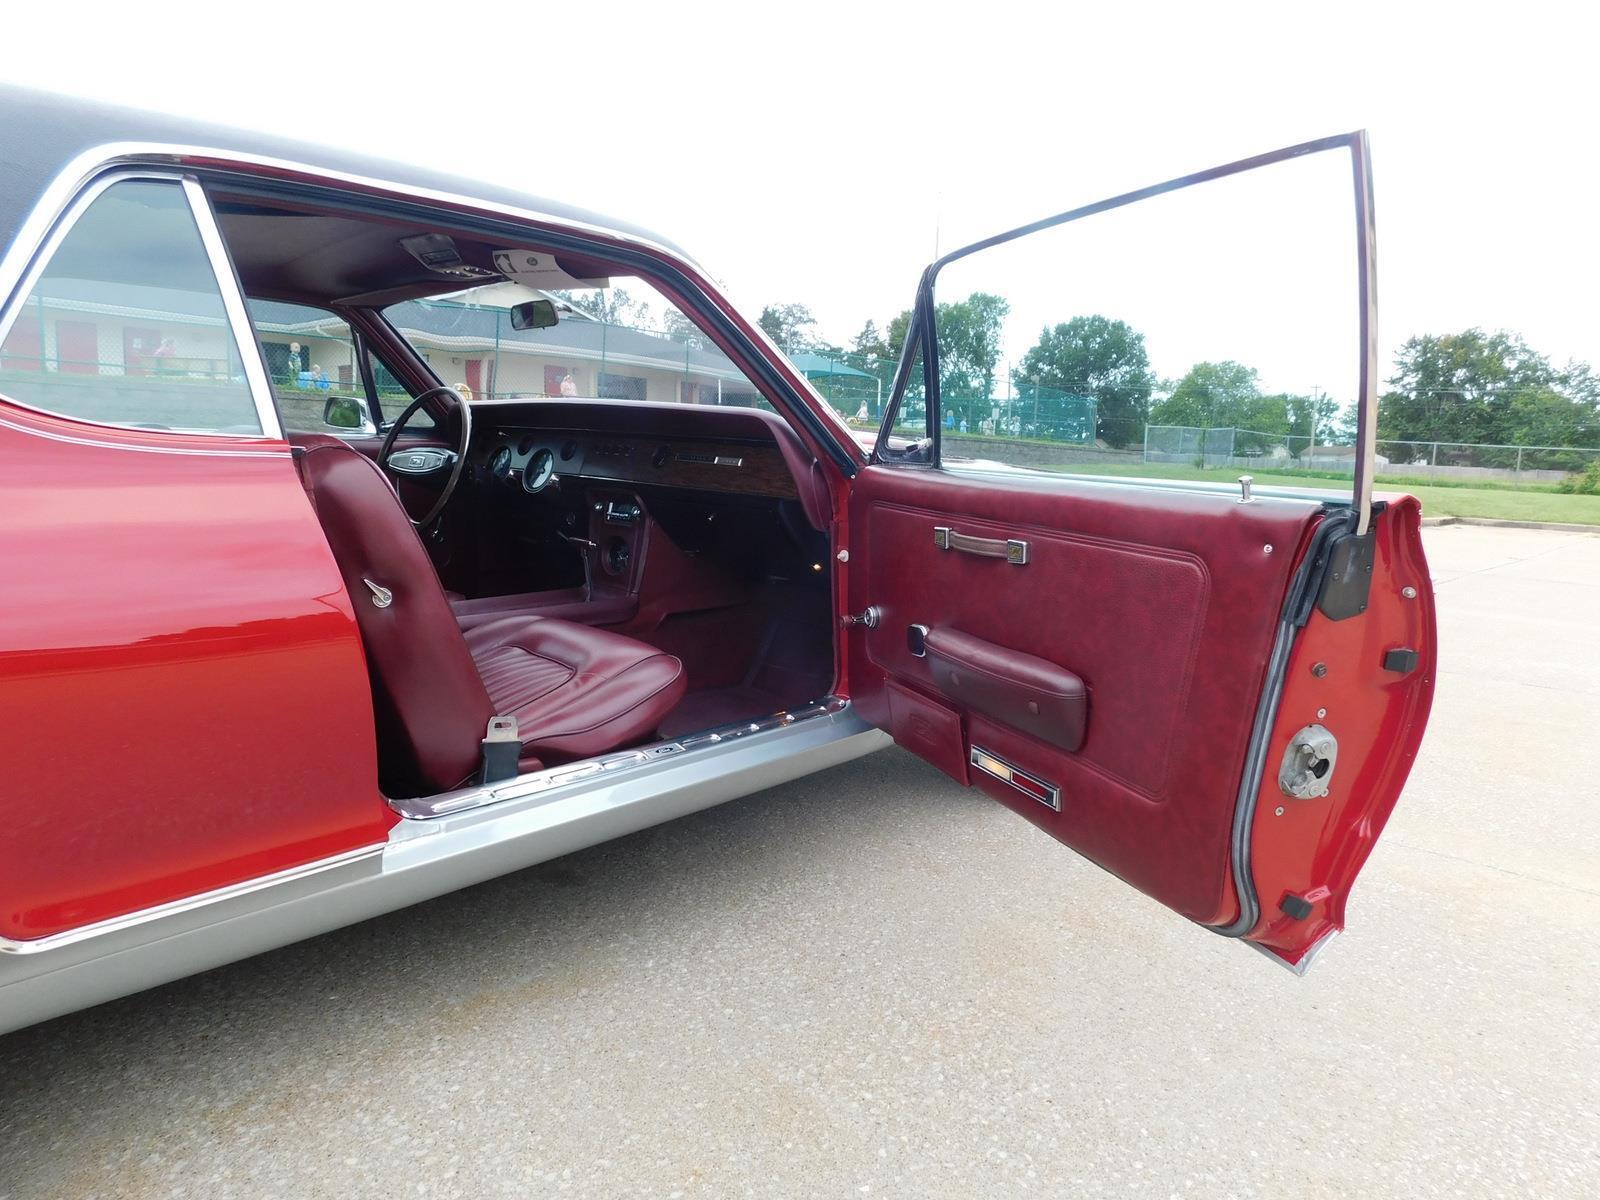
1211	690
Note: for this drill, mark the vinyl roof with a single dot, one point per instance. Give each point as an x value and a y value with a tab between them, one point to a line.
40	133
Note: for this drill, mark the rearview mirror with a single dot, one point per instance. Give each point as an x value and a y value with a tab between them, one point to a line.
348	412
535	314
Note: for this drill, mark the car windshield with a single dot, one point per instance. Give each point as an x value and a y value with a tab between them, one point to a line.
610	343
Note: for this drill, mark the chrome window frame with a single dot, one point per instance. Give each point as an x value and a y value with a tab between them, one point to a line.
41	237
814	414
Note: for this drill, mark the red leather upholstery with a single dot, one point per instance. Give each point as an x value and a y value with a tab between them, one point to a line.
575	691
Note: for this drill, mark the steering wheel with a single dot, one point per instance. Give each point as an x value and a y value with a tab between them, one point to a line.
387	450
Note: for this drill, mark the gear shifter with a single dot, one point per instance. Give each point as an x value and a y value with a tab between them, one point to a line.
584	545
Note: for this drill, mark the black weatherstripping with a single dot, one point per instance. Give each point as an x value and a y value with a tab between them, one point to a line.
1296	612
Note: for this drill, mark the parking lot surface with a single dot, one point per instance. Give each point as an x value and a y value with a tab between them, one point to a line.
871	983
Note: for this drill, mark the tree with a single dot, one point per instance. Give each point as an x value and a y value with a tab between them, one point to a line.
869	343
1314	417
969	344
899	329
1219	394
789	325
680	329
1487	388
614	305
1097	357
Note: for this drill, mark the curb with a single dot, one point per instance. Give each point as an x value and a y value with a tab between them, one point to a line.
1497	523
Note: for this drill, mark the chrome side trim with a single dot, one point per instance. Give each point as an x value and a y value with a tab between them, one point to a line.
51	435
244	333
818	415
84	167
1299	969
1013	776
188	904
535	783
421	860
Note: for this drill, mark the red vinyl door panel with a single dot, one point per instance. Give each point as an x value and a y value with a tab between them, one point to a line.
1163	604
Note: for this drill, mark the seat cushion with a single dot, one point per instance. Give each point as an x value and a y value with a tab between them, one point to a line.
574	690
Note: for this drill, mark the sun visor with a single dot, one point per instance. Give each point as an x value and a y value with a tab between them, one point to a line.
539	270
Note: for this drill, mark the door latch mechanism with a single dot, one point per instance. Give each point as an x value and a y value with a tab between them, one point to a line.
1308	763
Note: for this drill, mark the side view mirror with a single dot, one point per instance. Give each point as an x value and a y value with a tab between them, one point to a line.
535	314
348	412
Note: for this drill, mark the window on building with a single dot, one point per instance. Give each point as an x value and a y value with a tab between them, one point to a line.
621	387
126	325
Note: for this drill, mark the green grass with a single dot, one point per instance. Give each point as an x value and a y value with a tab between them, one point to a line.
1438	500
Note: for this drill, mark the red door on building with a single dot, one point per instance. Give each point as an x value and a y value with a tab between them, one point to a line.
475	375
24	348
77	348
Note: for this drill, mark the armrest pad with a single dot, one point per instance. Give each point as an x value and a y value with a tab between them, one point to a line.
1032	695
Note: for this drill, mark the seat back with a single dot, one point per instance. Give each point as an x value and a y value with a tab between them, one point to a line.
417	658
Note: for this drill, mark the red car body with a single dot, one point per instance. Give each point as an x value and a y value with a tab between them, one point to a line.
187	719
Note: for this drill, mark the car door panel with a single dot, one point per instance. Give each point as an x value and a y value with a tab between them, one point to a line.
1164	604
183	694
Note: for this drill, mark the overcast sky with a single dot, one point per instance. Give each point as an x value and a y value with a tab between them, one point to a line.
815	152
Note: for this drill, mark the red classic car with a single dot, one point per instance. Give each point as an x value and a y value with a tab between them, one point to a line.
310	612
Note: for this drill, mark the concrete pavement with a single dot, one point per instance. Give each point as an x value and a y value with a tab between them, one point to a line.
871	983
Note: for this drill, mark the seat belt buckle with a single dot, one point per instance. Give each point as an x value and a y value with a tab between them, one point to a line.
501	750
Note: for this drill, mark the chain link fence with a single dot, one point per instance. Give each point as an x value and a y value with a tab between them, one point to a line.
1428	461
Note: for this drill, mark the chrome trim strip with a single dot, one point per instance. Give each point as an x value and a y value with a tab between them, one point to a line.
244	334
1366	463
1299	969
421	860
51	435
59	191
172	908
84	167
428	808
991	764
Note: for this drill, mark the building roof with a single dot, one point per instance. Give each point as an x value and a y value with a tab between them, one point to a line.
820	366
473	327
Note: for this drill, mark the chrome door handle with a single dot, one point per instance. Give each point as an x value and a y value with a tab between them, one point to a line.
1013	550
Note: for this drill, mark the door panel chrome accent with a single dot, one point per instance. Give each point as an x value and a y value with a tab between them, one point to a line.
1031	786
1013	550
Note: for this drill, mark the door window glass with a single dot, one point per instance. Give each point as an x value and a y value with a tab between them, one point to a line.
1195	333
126	325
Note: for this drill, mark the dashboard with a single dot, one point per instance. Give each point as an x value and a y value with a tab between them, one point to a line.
525	446
529	460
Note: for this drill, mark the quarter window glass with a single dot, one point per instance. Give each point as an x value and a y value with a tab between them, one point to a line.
126	325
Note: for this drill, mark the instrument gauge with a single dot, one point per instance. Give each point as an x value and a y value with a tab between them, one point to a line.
541	469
